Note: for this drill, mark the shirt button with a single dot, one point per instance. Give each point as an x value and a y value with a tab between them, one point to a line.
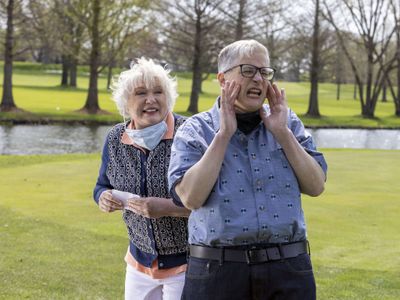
161	264
258	182
261	207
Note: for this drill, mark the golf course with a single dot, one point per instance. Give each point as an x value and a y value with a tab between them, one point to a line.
55	243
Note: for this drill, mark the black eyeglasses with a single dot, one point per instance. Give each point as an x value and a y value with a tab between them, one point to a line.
249	71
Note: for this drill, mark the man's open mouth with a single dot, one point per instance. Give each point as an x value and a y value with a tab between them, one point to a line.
254	92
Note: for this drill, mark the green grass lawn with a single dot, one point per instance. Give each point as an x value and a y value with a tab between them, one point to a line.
40	93
56	244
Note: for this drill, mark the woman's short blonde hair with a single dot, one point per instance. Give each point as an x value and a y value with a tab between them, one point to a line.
143	72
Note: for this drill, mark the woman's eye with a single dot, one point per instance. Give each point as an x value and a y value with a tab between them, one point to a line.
140	93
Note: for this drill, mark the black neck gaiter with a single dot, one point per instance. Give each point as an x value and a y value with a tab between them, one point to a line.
248	121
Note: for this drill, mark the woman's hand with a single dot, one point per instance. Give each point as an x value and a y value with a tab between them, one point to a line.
154	207
108	204
228	123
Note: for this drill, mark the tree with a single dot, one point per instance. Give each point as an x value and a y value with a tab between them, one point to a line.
74	35
370	21
271	26
338	70
109	25
41	29
92	101
7	100
191	31
396	12
395	6
240	20
286	31
313	109
236	19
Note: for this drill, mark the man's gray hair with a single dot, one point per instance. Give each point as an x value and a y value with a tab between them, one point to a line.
143	72
233	53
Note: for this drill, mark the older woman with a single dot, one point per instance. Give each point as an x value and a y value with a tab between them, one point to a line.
135	159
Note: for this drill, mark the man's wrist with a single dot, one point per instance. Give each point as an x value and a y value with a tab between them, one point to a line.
282	134
223	137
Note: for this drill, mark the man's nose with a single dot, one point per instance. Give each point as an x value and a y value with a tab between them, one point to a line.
257	76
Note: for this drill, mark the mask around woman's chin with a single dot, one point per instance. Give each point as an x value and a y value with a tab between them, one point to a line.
148	137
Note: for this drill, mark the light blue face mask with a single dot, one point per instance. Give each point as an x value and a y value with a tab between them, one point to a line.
148	137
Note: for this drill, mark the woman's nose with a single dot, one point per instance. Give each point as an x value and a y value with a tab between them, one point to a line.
150	98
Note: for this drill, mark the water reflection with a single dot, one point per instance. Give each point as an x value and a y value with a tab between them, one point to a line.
357	138
51	139
57	139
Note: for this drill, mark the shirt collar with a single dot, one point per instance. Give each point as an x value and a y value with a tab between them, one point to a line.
215	114
169	134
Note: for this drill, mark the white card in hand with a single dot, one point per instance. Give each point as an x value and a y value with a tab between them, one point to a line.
123	196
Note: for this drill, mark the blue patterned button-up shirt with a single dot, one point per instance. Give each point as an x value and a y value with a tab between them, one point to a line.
256	198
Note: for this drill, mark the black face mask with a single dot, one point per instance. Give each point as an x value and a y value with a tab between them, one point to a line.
248	121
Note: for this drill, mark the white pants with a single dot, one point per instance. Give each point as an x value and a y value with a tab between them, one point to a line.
140	286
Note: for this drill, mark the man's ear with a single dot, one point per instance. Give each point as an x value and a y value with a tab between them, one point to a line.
221	79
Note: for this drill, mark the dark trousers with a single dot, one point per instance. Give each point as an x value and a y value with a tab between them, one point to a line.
286	279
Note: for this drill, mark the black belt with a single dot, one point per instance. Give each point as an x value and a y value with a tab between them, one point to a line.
250	256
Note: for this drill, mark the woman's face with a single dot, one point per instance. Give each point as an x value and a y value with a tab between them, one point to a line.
147	106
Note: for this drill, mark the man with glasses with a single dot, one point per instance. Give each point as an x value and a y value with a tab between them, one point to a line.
241	168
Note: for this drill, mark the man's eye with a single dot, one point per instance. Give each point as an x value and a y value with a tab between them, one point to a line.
248	71
158	92
139	93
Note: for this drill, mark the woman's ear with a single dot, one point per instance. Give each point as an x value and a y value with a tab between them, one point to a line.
126	108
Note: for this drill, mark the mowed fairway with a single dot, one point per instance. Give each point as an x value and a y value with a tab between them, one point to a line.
41	94
354	226
56	244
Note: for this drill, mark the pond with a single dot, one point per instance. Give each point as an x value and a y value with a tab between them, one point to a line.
51	139
57	139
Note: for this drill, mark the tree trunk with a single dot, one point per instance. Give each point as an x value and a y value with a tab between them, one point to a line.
7	101
273	53
73	73
355	91
196	88
397	99
338	70
196	67
313	109
65	69
384	96
92	100
239	21
109	74
338	90
367	111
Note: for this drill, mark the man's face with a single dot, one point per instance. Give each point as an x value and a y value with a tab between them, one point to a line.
253	91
